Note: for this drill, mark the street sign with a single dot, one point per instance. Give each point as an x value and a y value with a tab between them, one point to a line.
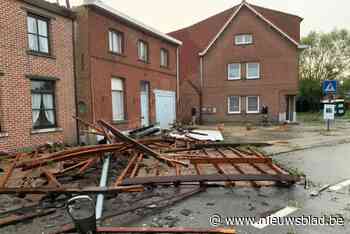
329	112
330	86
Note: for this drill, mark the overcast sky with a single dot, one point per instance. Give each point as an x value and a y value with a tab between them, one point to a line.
170	15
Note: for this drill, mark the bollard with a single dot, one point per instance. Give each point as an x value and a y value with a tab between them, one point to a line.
82	210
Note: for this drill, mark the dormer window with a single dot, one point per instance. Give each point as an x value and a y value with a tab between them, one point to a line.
243	39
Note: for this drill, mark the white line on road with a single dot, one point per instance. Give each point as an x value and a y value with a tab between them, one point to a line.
263	222
340	185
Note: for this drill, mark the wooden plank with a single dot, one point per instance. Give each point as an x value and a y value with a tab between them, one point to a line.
66	190
126	170
137	166
52	178
9	171
208	178
229	160
238	168
239	154
163	230
143	148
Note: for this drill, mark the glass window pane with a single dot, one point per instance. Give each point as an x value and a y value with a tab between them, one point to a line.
252	104
48	101
110	40
40	86
119	43
234	104
252	70
36	101
118	105
42	26
32	27
234	70
50	116
44	44
33	42
117	84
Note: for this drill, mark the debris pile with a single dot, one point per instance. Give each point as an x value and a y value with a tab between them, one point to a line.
139	161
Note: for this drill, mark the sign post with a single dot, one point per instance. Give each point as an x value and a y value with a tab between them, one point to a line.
329	89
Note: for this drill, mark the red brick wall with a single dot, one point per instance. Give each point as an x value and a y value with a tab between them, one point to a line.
102	66
278	60
15	94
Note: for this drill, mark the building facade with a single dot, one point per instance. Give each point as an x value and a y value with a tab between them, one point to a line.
247	61
127	71
37	94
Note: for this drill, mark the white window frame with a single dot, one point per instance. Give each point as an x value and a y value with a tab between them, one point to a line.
122	91
143	47
252	77
228	72
113	45
244	38
229	102
247	104
164	57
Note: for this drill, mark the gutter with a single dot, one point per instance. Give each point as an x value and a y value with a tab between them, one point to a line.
178	74
201	89
75	80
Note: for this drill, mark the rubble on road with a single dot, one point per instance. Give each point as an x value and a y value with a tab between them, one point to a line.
139	161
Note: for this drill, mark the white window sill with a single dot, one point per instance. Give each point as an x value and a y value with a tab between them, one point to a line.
46	130
3	134
253	112
234	78
234	113
253	78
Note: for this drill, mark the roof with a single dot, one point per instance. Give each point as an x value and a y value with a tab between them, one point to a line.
51	7
134	22
203	39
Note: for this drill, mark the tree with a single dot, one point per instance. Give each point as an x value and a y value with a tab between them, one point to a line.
327	57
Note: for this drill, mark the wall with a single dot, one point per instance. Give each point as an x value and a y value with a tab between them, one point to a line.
101	66
278	60
16	63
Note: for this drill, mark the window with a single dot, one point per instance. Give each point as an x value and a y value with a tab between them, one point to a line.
118	99
38	34
116	40
234	71
43	104
143	51
164	58
252	104
243	39
253	71
234	104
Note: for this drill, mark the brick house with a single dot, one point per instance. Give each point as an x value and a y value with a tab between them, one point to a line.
37	94
238	61
127	71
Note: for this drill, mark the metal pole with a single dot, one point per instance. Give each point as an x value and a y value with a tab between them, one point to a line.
103	183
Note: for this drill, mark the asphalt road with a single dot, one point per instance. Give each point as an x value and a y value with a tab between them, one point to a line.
325	165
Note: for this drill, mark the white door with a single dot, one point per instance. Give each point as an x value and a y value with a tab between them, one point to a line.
144	103
165	108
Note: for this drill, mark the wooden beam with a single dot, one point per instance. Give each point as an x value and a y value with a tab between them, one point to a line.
229	160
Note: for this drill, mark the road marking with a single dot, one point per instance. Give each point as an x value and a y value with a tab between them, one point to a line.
340	185
279	214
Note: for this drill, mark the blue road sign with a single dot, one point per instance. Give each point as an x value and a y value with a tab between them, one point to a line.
330	86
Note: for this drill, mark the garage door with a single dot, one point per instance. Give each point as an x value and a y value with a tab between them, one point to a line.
165	108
